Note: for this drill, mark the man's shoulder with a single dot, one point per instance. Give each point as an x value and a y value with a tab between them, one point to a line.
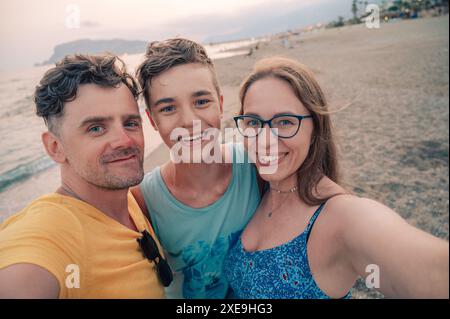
47	233
48	213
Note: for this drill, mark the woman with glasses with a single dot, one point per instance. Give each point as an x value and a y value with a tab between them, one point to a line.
310	238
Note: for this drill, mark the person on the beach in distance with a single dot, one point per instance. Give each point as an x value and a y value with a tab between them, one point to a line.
196	209
89	238
310	238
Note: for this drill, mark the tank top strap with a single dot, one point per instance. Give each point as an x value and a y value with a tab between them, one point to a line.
312	220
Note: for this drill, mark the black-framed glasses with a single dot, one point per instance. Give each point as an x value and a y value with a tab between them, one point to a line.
151	252
282	125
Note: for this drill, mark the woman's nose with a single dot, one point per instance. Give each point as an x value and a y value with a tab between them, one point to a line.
267	141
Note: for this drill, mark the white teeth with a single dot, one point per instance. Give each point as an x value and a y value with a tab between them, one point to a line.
270	158
191	139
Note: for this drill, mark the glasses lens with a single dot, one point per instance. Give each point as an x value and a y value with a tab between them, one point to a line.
249	126
285	126
148	246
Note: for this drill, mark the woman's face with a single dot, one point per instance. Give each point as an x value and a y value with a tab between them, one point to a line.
277	159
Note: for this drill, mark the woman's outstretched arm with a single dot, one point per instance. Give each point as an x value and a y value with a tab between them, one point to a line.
411	262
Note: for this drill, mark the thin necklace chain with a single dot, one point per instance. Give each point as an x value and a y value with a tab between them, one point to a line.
291	190
270	213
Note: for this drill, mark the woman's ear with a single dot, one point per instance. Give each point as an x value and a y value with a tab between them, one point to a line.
53	147
149	115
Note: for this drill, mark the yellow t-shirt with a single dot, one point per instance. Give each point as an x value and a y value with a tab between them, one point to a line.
73	240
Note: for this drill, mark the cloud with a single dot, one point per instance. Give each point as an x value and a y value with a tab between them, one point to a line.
151	20
89	24
253	21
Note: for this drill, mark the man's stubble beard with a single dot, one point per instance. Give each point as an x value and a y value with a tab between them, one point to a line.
104	179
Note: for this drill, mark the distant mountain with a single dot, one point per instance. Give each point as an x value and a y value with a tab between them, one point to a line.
116	46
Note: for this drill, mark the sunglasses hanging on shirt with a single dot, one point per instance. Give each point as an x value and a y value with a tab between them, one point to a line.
151	252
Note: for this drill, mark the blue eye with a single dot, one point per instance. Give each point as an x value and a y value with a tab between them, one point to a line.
96	129
285	122
167	109
252	123
202	102
133	124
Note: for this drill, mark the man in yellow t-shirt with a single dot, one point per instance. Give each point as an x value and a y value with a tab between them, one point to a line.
89	239
90	254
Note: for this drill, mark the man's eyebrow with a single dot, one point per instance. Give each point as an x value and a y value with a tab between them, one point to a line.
132	117
100	119
164	100
95	119
201	93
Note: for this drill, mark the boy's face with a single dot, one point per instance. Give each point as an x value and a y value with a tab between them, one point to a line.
181	97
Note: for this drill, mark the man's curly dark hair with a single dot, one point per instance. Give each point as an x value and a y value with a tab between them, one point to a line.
60	84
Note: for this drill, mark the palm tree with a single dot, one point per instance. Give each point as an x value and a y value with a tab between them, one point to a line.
354	9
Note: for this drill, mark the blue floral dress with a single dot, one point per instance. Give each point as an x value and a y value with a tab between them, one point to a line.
281	272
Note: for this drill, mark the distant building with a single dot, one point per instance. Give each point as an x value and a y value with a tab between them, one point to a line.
411	8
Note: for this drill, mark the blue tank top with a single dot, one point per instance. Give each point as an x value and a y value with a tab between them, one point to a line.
196	240
281	272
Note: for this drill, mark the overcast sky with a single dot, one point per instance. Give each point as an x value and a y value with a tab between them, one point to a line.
29	30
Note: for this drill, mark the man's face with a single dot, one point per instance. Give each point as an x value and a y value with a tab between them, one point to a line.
102	138
182	97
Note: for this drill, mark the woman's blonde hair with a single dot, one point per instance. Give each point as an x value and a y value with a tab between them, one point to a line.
322	156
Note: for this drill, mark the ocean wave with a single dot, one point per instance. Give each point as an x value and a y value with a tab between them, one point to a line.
24	171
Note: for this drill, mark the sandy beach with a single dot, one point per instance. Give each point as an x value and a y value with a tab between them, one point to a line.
394	135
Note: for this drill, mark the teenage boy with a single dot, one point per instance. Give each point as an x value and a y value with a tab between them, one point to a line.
198	206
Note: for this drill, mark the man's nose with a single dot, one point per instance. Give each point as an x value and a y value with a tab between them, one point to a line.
121	138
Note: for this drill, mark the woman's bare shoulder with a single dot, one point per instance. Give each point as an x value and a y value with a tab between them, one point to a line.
350	211
340	199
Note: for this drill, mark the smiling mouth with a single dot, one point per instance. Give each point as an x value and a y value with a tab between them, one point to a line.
123	159
271	159
190	139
